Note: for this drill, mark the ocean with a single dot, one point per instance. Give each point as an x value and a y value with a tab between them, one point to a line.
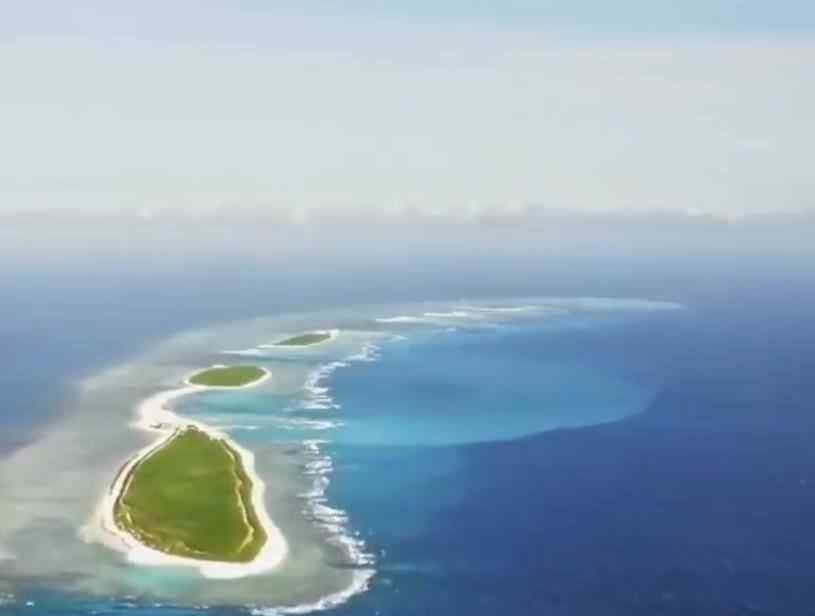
465	446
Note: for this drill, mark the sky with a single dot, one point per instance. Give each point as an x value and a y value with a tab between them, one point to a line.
184	108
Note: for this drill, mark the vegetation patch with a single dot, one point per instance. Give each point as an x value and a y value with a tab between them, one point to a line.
192	498
305	339
230	376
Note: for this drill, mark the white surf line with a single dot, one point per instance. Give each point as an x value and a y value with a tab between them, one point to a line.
404	319
504	309
432	317
335	522
154	415
453	314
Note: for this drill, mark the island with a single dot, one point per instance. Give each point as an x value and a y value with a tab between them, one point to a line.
307	339
191	497
228	376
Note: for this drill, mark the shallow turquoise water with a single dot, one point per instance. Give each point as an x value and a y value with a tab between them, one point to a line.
466	387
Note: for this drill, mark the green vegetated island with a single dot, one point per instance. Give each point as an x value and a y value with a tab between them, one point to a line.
192	498
305	339
228	376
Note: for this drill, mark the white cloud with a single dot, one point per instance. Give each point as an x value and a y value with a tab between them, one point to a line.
406	115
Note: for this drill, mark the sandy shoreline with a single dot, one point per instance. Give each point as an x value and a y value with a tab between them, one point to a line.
154	415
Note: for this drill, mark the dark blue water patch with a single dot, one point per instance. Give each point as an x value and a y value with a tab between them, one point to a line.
677	521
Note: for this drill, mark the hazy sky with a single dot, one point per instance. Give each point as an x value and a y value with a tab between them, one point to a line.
632	105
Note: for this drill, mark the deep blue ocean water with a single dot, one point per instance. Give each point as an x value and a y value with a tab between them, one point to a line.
694	494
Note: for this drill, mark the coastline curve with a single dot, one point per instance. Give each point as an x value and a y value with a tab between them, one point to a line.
154	415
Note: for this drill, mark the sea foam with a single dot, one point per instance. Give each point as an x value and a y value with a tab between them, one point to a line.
317	396
334	522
